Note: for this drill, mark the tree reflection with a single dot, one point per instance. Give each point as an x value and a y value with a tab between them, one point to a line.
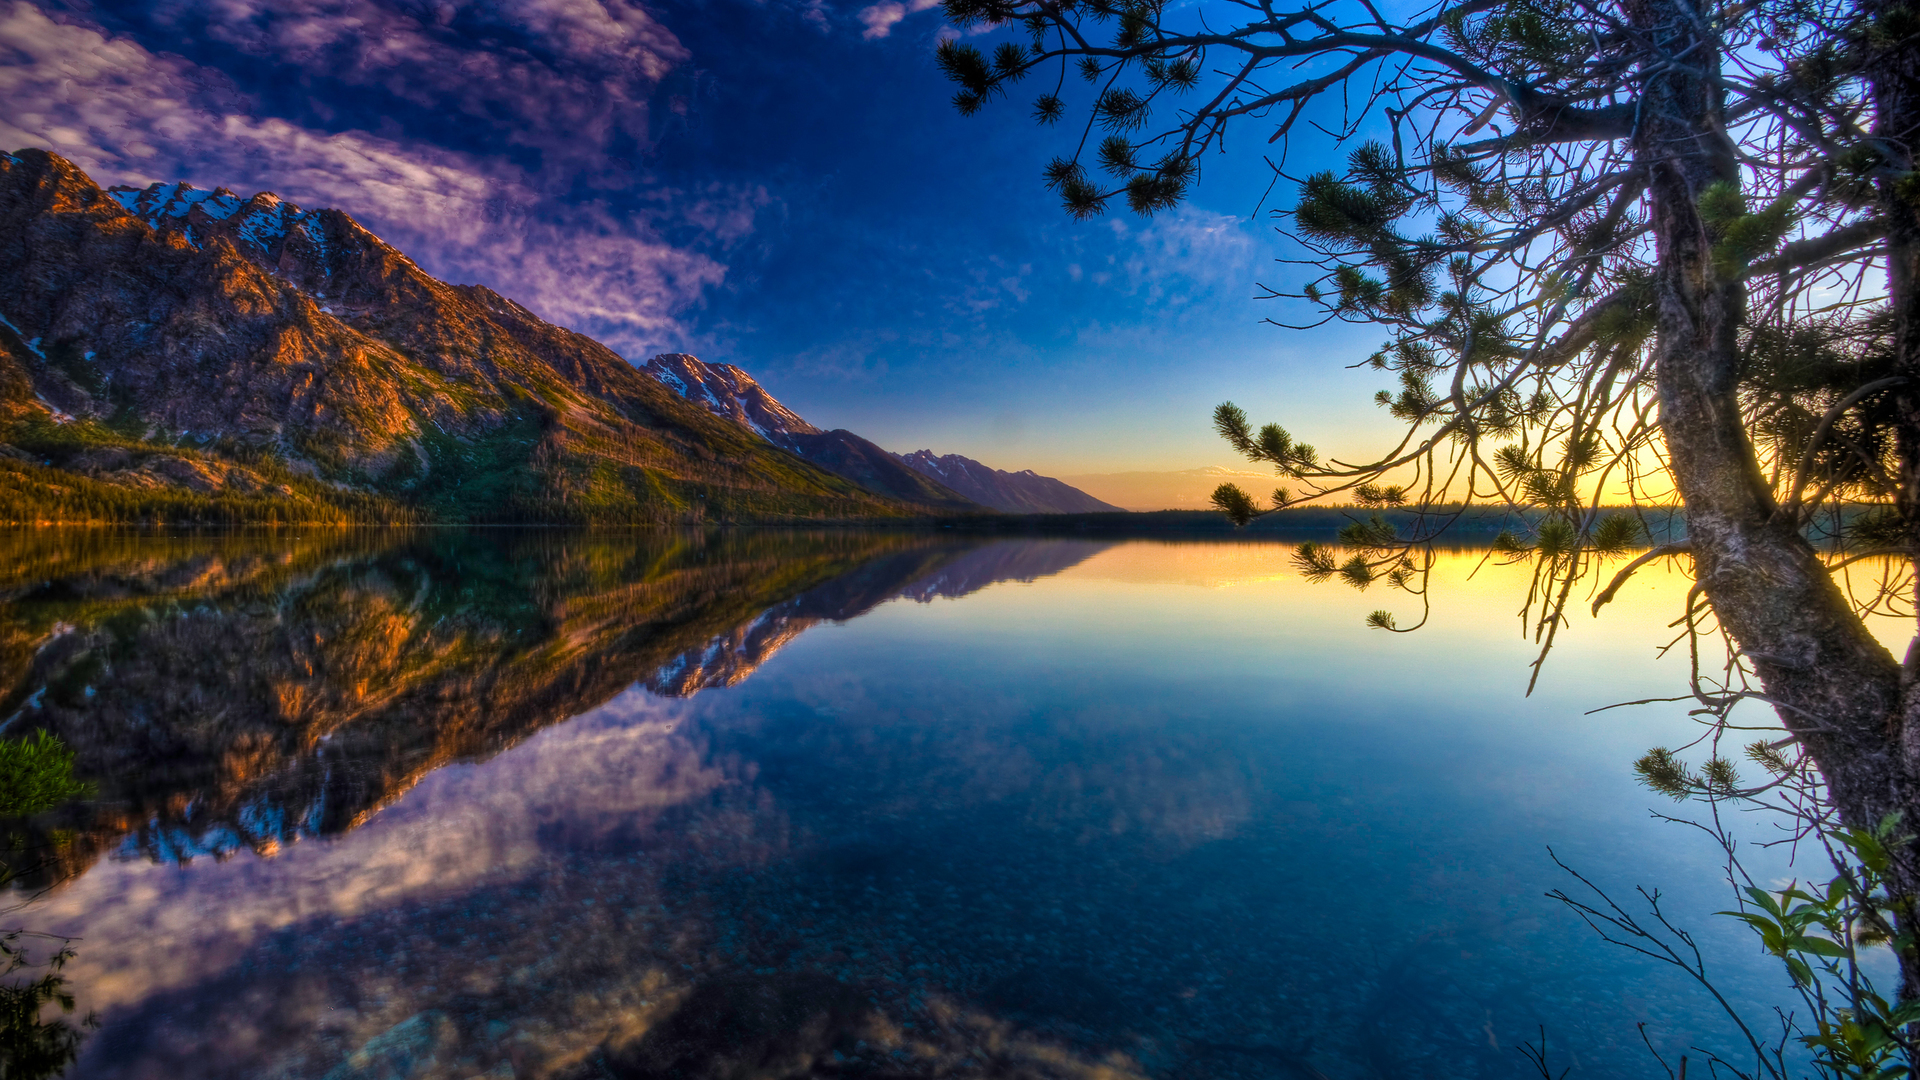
205	696
32	1046
240	692
36	775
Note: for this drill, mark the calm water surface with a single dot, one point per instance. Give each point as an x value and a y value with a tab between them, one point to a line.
835	804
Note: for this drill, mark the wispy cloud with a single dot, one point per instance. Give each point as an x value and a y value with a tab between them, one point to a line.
626	274
1186	255
563	75
879	19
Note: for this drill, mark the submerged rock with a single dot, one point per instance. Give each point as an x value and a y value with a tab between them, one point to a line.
411	1048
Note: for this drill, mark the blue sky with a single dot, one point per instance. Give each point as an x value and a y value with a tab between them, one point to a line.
778	184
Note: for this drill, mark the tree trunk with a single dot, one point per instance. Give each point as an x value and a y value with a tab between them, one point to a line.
1893	77
1833	685
1893	85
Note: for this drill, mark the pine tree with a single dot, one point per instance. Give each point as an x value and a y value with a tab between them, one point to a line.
1657	246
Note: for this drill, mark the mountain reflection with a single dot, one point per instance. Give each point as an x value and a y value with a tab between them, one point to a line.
242	691
1162	814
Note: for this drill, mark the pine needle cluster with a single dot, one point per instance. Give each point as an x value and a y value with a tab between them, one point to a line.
1500	232
1647	279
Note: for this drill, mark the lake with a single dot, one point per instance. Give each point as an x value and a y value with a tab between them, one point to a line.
838	803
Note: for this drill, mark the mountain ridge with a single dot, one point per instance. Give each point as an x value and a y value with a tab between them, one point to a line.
1023	492
729	391
168	351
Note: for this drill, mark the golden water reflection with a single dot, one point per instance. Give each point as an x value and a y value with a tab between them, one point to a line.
511	805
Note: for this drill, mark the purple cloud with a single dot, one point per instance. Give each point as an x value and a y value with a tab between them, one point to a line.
879	19
129	115
563	75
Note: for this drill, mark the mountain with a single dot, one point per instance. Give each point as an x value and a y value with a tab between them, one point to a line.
172	352
1023	492
727	391
955	481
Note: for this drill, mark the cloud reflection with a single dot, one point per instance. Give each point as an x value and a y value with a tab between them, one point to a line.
227	699
1087	828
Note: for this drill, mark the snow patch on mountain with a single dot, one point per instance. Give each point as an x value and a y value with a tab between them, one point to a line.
262	222
729	392
158	201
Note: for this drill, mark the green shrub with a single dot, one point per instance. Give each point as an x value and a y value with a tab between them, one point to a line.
36	774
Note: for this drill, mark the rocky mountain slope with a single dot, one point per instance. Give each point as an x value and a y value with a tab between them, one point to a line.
1023	492
176	352
726	390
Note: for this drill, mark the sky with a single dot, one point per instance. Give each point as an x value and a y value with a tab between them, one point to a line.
778	184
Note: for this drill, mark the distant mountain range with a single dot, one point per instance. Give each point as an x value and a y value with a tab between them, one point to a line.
1023	492
727	391
177	354
948	480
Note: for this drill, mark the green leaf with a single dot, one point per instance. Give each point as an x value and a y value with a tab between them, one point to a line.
1765	901
1802	974
1822	947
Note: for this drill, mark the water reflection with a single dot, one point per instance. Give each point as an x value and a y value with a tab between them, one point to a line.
38	1036
243	693
1109	825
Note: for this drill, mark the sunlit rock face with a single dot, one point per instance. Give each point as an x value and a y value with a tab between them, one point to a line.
114	314
242	695
241	327
726	390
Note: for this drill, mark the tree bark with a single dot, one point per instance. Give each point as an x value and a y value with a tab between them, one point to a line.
1893	87
1832	684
